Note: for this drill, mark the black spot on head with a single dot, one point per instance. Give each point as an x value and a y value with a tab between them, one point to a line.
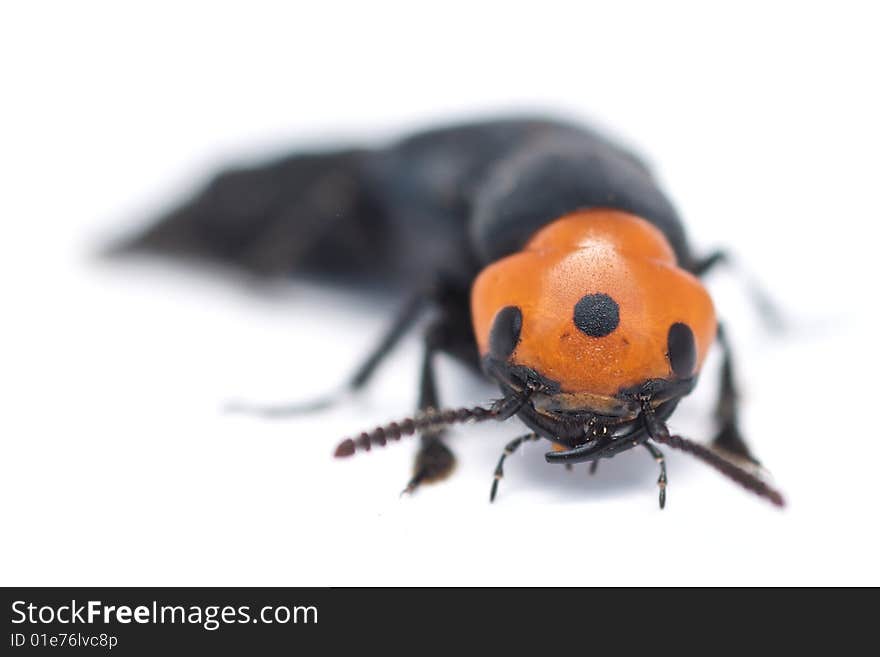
681	349
597	315
504	335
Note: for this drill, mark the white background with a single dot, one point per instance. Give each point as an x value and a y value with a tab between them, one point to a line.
118	466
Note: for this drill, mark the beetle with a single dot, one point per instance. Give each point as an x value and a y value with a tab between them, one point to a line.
548	254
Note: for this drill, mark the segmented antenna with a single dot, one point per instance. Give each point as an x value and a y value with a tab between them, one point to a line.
660	434
725	467
427	421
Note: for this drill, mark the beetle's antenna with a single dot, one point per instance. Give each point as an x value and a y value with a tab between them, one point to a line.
725	467
430	420
659	433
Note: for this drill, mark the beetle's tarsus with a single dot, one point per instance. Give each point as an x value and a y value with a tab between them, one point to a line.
509	449
661	480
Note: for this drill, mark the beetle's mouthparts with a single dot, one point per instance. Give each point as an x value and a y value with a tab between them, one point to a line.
585	402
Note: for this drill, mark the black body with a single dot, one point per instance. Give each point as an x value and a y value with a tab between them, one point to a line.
446	201
425	215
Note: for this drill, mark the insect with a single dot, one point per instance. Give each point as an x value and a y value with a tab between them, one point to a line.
548	256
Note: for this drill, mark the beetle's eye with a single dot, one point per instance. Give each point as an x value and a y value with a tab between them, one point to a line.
504	334
597	315
681	349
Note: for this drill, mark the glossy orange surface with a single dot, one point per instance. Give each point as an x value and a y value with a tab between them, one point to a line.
588	252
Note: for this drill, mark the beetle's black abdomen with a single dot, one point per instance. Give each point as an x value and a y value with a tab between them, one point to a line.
305	211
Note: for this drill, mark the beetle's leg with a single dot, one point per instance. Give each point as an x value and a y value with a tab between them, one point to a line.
408	314
728	438
661	461
509	449
435	460
767	308
594	466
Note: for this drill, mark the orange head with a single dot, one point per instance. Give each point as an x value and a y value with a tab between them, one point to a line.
592	318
